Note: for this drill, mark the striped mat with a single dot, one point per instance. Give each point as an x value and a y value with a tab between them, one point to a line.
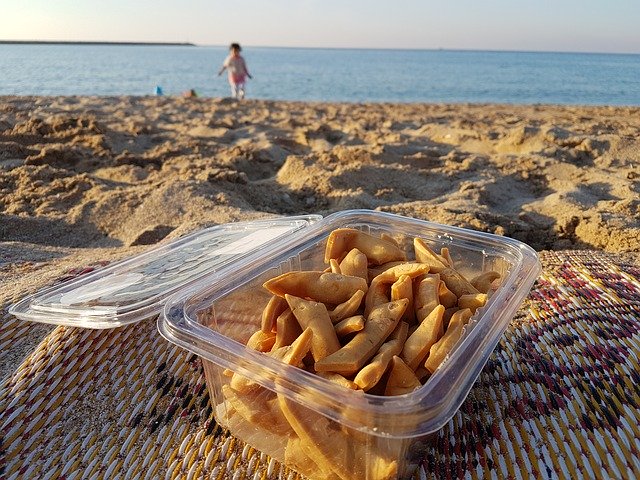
559	397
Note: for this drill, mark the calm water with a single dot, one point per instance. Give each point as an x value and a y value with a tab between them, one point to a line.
326	74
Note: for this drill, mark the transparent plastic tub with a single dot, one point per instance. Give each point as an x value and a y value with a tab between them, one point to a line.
317	427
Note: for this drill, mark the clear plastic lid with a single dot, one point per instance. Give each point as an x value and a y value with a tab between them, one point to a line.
137	288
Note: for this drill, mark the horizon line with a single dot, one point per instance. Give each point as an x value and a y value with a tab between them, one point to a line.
92	42
433	49
191	44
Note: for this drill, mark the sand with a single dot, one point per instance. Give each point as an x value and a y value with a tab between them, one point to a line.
86	179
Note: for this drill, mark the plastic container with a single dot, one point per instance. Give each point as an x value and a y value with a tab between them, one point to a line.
311	424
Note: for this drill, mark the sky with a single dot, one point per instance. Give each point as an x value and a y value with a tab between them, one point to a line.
544	25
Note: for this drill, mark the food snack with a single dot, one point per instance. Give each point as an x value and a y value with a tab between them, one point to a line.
349	359
379	319
417	346
349	325
348	308
314	315
370	375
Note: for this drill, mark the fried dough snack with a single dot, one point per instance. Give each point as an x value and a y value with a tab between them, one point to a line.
403	288
442	347
331	288
292	354
381	322
287	329
417	346
382	283
355	264
330	450
484	281
427	298
372	373
402	378
380	319
348	308
314	315
377	250
455	282
349	325
271	312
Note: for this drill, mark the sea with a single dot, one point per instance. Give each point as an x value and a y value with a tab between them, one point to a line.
319	74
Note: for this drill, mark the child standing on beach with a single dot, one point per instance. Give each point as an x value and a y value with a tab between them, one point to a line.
237	69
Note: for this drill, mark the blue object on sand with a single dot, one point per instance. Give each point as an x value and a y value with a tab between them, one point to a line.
159	90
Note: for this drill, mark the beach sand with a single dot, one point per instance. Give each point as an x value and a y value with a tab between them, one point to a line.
88	179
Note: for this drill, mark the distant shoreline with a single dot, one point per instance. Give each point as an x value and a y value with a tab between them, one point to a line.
73	42
291	47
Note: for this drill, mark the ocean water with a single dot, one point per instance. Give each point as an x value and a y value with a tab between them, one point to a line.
326	74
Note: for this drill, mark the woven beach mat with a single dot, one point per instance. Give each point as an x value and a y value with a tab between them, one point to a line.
558	398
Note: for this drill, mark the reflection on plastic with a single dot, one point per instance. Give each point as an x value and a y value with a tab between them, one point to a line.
100	288
251	241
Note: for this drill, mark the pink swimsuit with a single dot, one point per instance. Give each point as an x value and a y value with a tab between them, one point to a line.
237	69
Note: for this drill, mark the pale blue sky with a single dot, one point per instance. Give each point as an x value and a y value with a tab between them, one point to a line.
584	26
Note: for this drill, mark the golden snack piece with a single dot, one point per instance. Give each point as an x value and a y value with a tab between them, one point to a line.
287	329
401	378
424	254
446	296
259	408
261	341
291	354
334	266
473	301
274	308
243	385
377	250
388	238
484	281
331	450
376	270
295	456
294	354
331	288
314	315
318	440
381	322
392	274
403	288
348	308
426	297
380	288
371	373
349	325
442	347
355	264
448	313
378	294
339	379
446	255
455	282
417	346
